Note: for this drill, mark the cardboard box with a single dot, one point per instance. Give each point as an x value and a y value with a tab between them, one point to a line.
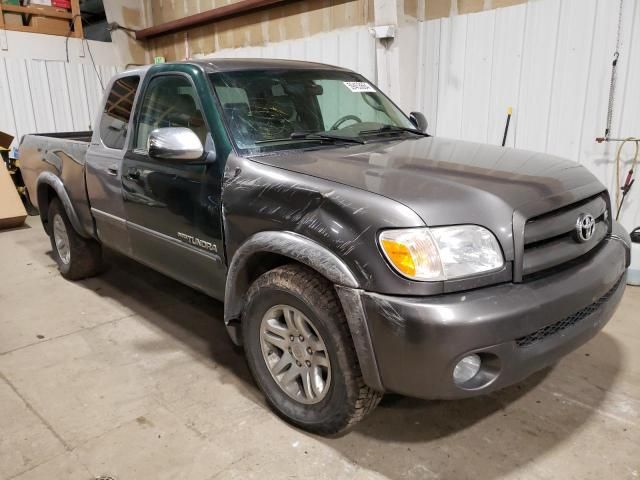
49	25
12	212
13	19
5	140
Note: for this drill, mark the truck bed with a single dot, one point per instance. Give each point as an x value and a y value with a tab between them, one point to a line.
84	136
62	155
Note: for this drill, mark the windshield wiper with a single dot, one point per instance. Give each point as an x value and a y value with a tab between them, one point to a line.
392	129
312	136
325	136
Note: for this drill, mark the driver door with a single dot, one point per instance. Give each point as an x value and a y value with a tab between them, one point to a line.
173	207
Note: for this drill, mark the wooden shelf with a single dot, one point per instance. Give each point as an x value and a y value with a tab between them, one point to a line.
26	28
37	10
47	12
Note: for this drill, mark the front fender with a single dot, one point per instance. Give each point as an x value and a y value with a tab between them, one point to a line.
48	179
288	244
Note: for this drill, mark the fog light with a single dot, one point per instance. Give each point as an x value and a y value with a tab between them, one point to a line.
466	369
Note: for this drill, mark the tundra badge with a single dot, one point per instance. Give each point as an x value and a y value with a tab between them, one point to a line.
197	242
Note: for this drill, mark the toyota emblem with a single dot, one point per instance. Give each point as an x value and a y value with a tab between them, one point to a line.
585	226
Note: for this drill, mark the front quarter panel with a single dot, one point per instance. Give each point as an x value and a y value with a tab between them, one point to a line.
345	220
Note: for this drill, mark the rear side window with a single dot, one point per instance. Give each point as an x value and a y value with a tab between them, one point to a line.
117	111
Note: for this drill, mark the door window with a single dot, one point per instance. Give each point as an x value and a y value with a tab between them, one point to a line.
169	101
117	111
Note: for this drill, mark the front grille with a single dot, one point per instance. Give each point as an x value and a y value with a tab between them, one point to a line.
550	239
566	322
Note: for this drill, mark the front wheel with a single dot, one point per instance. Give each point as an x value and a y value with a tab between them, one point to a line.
300	352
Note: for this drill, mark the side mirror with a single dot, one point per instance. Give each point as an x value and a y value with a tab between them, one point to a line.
174	144
635	235
419	120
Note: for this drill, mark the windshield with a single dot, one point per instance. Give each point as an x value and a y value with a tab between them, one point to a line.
270	110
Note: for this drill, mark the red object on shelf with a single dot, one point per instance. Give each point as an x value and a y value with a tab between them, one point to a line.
61	3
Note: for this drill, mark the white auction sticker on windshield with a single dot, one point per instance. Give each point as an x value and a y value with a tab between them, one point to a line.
359	87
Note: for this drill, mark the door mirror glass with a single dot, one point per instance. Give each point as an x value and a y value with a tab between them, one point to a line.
419	120
174	144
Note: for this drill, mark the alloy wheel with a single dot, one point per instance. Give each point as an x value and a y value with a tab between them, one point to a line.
61	239
295	354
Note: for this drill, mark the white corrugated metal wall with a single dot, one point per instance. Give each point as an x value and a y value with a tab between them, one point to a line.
39	96
53	96
49	84
548	59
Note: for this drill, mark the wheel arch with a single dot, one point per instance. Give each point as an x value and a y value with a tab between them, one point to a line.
267	250
49	186
271	249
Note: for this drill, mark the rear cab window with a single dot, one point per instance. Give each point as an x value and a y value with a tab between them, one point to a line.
117	112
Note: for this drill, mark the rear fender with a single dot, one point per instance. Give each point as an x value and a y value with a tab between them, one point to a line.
46	181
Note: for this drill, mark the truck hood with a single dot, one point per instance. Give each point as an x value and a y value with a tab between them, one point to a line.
449	181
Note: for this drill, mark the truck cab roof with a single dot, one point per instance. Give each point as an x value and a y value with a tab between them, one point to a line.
215	65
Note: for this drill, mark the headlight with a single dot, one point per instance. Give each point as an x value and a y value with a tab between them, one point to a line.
441	253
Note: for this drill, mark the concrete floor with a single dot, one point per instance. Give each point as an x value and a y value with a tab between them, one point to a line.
132	375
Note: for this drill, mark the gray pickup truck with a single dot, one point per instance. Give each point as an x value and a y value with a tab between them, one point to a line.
355	254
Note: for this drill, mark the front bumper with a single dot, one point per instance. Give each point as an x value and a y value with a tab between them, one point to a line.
516	328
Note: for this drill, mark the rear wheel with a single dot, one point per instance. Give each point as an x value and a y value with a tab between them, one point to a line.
299	349
77	257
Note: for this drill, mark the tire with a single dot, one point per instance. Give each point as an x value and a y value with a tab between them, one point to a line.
77	257
32	211
345	399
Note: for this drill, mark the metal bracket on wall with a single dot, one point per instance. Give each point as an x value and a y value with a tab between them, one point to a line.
383	32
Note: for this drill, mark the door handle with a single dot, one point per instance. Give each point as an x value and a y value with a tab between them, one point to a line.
113	170
133	173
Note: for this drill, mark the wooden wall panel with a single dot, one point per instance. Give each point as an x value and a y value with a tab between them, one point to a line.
290	21
434	9
352	48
